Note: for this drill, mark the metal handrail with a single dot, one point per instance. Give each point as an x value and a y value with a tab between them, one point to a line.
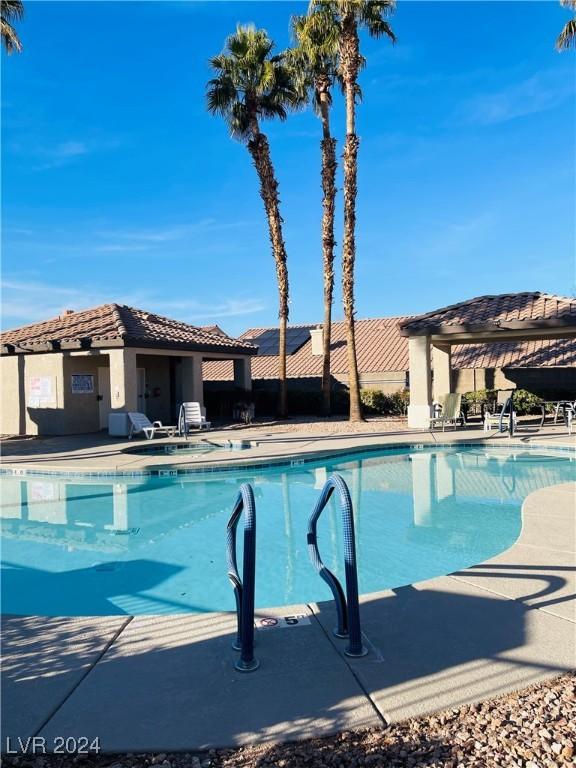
510	414
243	588
347	606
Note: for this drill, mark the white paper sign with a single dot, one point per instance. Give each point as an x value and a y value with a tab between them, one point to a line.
40	391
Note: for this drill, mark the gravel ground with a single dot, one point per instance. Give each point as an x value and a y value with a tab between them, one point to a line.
326	426
533	728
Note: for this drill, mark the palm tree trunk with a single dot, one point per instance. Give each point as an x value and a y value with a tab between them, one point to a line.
328	203
350	60
260	151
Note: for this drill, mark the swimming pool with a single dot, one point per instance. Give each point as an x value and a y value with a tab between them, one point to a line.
121	545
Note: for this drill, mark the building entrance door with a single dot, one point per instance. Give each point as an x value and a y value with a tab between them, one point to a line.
104	396
141	389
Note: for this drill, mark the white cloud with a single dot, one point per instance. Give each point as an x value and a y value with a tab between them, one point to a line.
48	156
171	233
539	93
28	301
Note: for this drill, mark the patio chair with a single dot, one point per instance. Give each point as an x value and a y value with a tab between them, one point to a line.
451	412
501	419
569	414
560	408
192	416
139	422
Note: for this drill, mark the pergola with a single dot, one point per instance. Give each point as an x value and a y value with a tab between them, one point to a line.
485	319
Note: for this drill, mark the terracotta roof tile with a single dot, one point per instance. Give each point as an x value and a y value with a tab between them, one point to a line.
491	311
117	321
382	349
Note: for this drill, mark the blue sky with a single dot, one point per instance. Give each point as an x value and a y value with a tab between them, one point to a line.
118	186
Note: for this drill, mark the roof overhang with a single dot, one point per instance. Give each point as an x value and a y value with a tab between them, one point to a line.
239	349
103	344
494	332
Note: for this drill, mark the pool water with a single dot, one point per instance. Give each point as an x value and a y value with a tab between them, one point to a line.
195	449
87	546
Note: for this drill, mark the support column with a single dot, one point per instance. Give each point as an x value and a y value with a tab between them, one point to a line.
243	373
120	506
420	408
442	366
192	383
422	488
123	380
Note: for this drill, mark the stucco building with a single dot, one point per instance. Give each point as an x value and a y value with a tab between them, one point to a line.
67	374
541	365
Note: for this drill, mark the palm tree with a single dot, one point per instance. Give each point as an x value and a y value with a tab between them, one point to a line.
10	11
350	16
567	38
314	63
251	85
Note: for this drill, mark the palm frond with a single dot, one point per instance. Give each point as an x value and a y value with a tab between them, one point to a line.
250	82
567	38
11	10
568	4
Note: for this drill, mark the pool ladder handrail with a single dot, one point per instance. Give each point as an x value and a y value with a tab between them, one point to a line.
347	605
243	588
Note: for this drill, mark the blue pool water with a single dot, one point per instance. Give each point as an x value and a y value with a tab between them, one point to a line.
86	546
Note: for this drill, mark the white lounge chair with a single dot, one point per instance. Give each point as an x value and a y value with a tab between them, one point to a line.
192	416
501	420
451	411
139	422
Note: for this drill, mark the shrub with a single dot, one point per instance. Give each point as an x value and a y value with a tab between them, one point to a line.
475	401
400	401
526	402
374	401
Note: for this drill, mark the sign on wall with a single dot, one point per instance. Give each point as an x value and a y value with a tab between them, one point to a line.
82	383
41	391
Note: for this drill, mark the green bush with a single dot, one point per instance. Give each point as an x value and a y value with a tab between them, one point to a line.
481	398
374	401
400	401
526	402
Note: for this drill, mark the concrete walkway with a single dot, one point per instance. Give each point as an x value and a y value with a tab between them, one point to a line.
168	683
99	453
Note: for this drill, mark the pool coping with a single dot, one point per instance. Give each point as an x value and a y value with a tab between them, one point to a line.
107	687
297	453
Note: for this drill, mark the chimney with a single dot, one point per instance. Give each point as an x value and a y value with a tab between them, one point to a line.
65	313
317	336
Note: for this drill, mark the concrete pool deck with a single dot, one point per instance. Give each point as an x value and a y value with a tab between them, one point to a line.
167	683
97	453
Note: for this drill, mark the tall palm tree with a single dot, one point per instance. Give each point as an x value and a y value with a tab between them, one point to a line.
250	85
314	62
10	11
567	38
350	16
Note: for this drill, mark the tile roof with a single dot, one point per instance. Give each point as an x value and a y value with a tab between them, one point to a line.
117	322
506	310
381	348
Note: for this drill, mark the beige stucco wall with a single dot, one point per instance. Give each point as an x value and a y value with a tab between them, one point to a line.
19	416
75	413
65	413
11	414
532	379
386	381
